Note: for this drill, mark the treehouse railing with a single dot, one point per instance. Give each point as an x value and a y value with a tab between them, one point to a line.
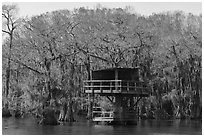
115	86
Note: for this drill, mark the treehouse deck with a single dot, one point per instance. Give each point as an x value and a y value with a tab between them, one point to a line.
108	87
112	81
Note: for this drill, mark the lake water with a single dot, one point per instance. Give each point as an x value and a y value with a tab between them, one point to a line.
28	126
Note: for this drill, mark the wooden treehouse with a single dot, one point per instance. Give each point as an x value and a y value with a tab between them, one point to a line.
122	87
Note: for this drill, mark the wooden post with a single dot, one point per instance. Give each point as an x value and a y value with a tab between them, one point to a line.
92	91
91	101
128	86
101	86
131	102
116	78
117	109
89	107
111	89
120	86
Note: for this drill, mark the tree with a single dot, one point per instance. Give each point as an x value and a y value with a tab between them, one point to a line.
10	24
56	51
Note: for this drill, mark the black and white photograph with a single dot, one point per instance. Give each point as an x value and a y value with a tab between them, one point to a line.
101	68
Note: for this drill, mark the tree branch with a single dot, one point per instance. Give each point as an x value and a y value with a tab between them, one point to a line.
6	32
28	67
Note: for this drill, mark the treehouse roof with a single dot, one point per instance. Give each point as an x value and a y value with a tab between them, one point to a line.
119	69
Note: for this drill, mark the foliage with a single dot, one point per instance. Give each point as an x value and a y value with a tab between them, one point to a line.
54	52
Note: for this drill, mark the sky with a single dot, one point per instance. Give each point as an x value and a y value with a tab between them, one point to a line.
143	8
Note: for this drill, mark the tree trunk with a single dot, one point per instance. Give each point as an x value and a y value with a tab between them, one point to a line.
9	66
69	116
63	112
88	68
6	112
197	107
47	82
7	79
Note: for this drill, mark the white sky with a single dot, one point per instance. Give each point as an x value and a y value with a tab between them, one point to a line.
143	8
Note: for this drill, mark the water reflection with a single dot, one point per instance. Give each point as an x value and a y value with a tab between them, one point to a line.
28	126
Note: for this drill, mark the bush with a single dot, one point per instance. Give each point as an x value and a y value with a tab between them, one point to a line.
49	117
6	112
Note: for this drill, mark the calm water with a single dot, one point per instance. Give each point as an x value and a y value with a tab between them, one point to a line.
28	126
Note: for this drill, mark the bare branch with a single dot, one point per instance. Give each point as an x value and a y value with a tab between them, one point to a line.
4	15
28	67
6	32
95	56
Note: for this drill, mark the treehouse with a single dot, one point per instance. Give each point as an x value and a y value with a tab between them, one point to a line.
122	87
115	81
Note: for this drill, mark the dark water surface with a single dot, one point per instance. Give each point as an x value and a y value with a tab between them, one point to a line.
28	126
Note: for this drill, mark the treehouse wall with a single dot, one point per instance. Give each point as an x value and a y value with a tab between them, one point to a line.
110	74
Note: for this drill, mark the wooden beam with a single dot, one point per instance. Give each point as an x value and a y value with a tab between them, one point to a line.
137	101
110	99
116	78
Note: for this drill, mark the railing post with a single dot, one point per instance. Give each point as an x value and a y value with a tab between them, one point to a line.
83	89
111	87
128	86
101	86
116	79
120	85
92	87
